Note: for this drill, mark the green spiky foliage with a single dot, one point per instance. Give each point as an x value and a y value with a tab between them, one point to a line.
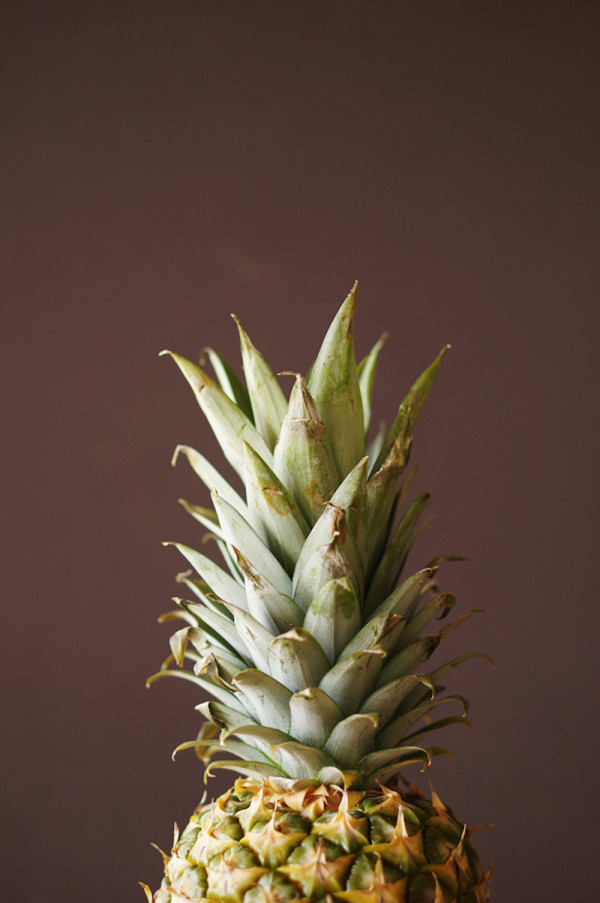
313	646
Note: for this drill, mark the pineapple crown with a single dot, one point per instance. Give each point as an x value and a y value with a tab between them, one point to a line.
306	640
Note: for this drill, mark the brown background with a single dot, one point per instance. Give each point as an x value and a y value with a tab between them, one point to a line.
166	163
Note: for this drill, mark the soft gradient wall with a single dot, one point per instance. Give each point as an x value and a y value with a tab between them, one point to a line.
166	163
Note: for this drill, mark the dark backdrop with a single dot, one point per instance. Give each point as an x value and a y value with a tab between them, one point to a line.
166	163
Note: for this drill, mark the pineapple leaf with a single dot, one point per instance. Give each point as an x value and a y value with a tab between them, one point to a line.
411	406
303	762
178	643
228	422
375	762
221	583
351	679
352	739
351	496
296	660
401	600
243	750
211	478
266	739
204	516
273	512
438	607
395	555
229	381
268	699
397	729
436	726
268	402
252	633
241	535
366	378
434	676
258	770
313	716
337	557
223	716
274	610
347	500
333	383
301	458
387	699
409	658
384	631
219	629
214	689
333	616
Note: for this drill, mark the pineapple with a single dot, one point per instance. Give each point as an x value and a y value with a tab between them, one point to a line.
312	648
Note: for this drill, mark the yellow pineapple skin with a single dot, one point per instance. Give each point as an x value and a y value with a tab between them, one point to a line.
260	843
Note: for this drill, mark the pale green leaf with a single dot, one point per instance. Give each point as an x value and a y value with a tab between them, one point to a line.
351	739
204	516
211	478
401	600
435	676
351	496
264	738
313	716
273	512
296	660
384	631
411	406
214	689
437	607
222	715
216	666
274	610
242	536
376	761
258	770
255	637
269	404
338	557
407	660
244	750
436	726
178	643
229	424
395	555
366	379
386	699
301	459
221	583
220	630
229	381
352	679
300	761
333	383
399	726
268	699
333	616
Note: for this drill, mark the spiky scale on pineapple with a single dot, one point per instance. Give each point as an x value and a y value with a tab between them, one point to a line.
313	652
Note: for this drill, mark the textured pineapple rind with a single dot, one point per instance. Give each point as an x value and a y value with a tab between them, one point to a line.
257	844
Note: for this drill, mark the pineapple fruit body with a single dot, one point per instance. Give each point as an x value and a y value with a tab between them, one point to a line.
313	648
258	844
